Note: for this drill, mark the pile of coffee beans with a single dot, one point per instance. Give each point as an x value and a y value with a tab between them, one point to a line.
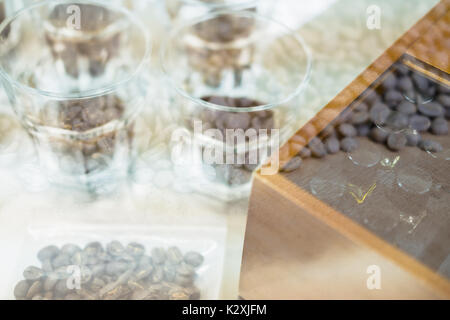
223	120
225	28
98	50
114	272
214	52
403	107
94	151
236	174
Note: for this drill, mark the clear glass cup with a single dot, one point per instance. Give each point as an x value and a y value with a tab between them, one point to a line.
239	77
76	81
185	10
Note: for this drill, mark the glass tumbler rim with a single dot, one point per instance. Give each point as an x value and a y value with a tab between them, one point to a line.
298	90
90	93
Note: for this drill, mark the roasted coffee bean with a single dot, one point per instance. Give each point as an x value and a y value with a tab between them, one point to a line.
178	294
61	260
407	108
35	288
347	130
292	165
405	84
135	249
359	117
21	289
195	259
431	109
184	281
305	153
33	273
396	141
115	248
393	97
389	82
332	144
439	126
116	278
70	249
379	135
372	97
443	100
431	91
379	113
349	144
430	145
186	269
363	130
413	139
48	253
361	107
420	82
174	255
93	248
402	69
419	123
397	121
143	273
317	148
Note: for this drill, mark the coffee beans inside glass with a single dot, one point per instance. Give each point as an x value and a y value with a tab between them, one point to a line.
237	78
76	82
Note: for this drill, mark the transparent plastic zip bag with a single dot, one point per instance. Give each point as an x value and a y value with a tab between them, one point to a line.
119	262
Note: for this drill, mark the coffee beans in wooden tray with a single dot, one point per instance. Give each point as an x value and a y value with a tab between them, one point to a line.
112	272
399	112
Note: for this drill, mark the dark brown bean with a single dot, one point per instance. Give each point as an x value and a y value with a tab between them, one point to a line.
349	144
332	144
317	148
379	113
419	123
439	126
396	141
347	130
430	145
407	107
379	135
431	109
292	165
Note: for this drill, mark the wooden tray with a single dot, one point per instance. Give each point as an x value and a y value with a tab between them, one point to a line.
300	246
